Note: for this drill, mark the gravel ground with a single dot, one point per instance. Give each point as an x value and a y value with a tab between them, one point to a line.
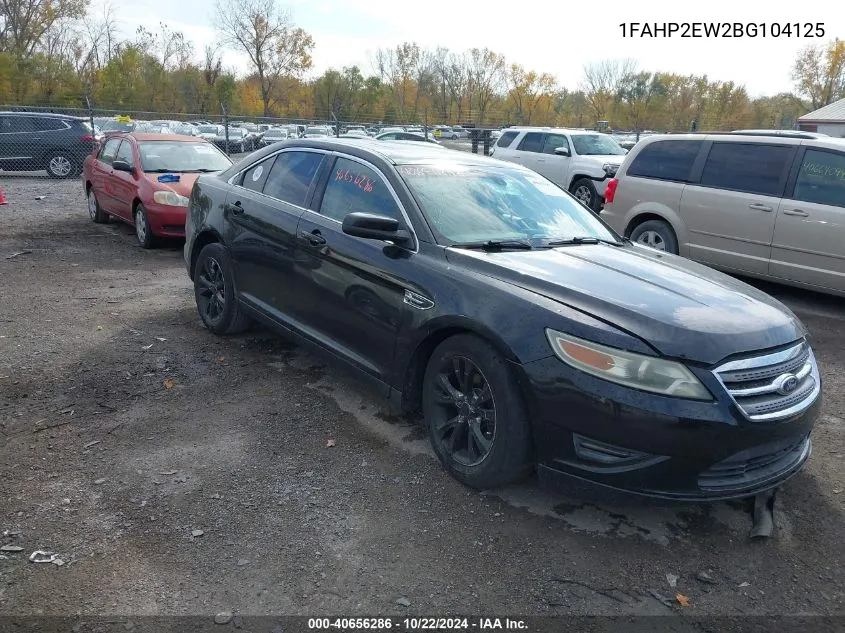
174	472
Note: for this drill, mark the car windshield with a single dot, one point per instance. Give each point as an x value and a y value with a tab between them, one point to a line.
596	145
180	156
465	203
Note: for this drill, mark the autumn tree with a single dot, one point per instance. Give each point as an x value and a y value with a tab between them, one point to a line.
819	73
276	48
486	75
602	81
637	94
526	89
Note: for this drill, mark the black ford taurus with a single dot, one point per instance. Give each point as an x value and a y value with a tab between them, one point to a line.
527	331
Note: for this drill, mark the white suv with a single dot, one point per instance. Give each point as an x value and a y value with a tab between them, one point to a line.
577	160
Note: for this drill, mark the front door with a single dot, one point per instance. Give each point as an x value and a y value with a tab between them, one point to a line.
101	172
731	213
263	210
124	185
351	304
809	241
554	166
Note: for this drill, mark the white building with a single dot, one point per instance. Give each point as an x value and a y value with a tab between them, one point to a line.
828	120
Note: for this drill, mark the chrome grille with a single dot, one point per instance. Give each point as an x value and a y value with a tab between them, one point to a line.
773	386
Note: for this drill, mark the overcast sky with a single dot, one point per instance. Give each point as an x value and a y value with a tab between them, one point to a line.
544	35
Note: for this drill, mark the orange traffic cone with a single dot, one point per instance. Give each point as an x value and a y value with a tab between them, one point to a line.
3	197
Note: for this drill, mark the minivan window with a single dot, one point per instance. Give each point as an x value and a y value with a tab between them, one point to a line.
506	139
533	142
291	176
821	178
665	160
752	167
356	187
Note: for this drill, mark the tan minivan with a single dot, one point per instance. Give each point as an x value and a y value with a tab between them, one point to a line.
771	207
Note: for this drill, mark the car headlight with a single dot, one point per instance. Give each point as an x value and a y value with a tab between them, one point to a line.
610	169
638	371
170	198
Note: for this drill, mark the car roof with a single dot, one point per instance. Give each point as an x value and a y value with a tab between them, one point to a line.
555	130
49	115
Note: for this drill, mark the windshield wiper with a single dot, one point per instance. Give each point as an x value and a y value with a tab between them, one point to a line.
576	241
496	245
159	171
199	171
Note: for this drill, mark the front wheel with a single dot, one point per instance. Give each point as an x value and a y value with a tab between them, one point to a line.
477	422
214	291
142	228
585	190
656	234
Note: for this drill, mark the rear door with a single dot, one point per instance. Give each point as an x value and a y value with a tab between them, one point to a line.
730	208
528	150
263	210
809	240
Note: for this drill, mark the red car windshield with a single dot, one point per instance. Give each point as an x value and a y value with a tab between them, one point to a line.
180	156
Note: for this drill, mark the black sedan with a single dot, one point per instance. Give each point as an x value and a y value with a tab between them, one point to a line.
527	331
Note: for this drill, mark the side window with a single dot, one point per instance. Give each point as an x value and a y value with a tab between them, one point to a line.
354	187
821	178
389	137
531	142
109	151
754	168
666	160
506	139
255	177
11	124
49	125
124	153
553	141
291	176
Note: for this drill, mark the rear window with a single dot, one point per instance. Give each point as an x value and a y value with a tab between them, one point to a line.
666	160
753	168
506	139
47	124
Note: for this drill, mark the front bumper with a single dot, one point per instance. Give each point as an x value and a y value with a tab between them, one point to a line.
165	220
658	446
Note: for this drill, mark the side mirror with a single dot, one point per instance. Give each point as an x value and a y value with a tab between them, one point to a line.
375	227
562	151
122	165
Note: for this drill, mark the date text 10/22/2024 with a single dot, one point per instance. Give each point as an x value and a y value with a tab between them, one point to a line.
409	624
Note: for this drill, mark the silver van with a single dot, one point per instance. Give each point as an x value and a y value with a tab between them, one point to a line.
771	207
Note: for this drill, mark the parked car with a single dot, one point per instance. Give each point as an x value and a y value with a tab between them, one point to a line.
442	131
238	141
525	328
579	161
318	131
771	207
405	136
32	141
210	131
145	180
274	135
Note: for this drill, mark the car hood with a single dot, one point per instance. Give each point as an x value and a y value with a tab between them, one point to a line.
183	187
681	308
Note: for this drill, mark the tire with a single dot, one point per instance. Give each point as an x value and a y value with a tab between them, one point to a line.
60	165
143	232
214	292
94	209
656	234
585	191
454	137
453	416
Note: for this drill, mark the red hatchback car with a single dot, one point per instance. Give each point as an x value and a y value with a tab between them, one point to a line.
146	179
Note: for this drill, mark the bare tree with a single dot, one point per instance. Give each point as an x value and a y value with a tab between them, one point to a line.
487	72
602	82
275	47
23	23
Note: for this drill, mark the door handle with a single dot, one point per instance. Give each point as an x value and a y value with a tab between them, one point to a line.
759	207
798	212
234	209
314	238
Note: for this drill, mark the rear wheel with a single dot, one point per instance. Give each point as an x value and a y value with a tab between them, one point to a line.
656	234
60	165
94	209
477	422
214	291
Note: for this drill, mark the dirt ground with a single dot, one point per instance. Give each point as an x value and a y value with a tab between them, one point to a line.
174	472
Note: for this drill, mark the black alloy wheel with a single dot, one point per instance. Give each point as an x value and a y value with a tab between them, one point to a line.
214	292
